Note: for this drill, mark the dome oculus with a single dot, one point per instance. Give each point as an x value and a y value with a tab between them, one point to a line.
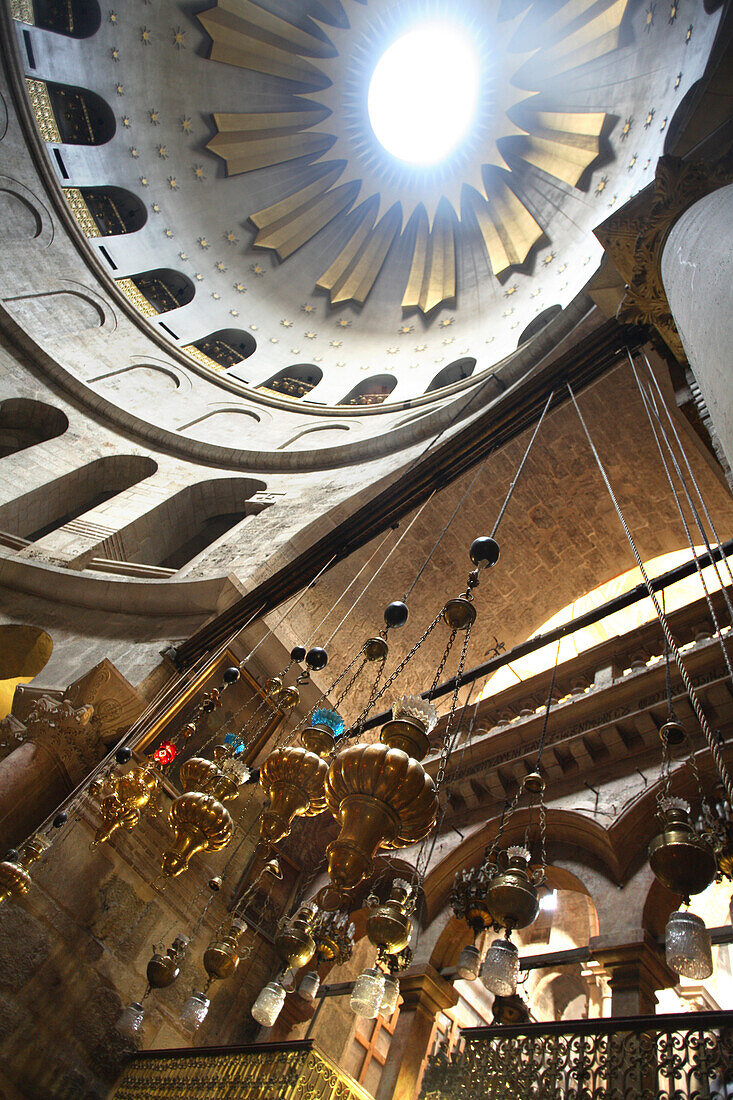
424	93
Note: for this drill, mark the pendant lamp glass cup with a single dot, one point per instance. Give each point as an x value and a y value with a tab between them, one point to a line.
368	993
500	971
688	947
269	1003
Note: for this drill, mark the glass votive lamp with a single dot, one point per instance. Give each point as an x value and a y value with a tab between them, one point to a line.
130	1021
368	992
194	1011
469	961
269	1003
501	968
390	995
687	946
309	986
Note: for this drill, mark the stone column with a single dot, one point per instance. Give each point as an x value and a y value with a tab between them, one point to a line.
424	994
697	273
61	747
636	969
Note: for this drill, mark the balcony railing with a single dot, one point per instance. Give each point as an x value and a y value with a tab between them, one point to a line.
686	1056
265	1071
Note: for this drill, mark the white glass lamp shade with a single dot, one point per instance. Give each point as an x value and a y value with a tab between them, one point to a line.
687	946
368	993
390	995
269	1003
237	770
468	963
131	1020
194	1011
310	985
501	968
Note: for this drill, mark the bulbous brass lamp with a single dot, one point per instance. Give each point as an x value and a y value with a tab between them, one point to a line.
382	798
389	926
162	970
293	779
199	819
123	797
511	896
221	957
682	861
14	878
294	942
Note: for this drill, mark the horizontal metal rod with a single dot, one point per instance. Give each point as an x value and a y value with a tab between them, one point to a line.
618	603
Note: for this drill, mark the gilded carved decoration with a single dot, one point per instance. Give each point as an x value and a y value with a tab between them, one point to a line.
137	298
42	109
22	10
388	202
81	212
297	1071
635	236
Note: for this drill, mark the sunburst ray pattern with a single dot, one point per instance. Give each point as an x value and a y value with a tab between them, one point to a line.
328	70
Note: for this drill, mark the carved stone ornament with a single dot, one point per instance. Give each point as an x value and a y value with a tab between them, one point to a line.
67	732
635	236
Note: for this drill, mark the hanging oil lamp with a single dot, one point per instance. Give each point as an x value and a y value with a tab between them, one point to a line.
388	926
511	896
162	970
123	797
221	957
15	881
381	796
294	942
682	861
199	820
293	778
500	970
687	945
334	936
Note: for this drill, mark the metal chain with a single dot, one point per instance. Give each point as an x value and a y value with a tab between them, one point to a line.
372	696
443	659
543	731
711	737
708	598
391	679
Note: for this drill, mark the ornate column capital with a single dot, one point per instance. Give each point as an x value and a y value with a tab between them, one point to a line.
634	239
427	991
66	732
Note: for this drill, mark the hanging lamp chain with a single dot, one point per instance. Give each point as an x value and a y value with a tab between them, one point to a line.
712	737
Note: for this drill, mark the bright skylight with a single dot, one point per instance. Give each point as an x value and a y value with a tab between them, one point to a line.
423	93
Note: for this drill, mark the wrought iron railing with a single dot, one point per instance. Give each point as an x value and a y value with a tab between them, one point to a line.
686	1056
265	1071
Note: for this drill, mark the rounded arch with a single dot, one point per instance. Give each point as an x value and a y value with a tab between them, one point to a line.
372	391
24	652
37	513
295	381
114	210
164	289
568	832
73	18
227	347
317	428
538	324
454	372
177	530
82	117
24	423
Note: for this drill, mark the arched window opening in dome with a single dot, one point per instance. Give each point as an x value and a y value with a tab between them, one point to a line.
82	117
175	532
372	391
25	423
295	381
163	289
538	324
114	210
73	18
225	348
454	372
39	512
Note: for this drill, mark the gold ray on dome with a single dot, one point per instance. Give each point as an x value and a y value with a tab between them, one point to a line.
479	187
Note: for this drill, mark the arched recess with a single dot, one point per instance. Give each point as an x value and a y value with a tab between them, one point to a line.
19	219
24	652
372	391
454	372
74	18
158	291
39	512
295	381
180	528
113	209
24	423
538	324
138	384
319	429
224	348
82	117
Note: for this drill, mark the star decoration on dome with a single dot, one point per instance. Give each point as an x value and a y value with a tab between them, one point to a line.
389	213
